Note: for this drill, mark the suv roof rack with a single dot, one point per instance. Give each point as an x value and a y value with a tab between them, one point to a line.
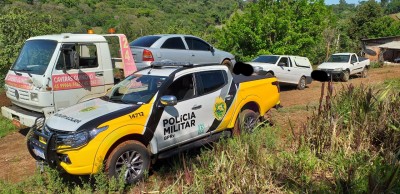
160	64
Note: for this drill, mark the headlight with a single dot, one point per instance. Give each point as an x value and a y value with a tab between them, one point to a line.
80	139
34	97
338	69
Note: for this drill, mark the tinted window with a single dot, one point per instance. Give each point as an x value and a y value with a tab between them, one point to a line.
182	88
136	89
145	41
266	59
197	44
210	81
173	43
339	58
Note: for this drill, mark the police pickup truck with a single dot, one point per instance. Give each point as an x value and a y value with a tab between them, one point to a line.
152	114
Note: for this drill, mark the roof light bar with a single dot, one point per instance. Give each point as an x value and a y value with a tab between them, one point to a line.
171	64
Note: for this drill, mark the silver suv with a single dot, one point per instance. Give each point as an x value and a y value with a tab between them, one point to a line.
179	48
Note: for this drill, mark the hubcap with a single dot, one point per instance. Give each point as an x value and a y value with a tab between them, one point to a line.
132	164
249	124
303	83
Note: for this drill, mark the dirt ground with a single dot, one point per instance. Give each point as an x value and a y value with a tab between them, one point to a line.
16	164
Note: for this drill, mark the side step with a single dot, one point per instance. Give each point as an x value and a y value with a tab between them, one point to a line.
194	144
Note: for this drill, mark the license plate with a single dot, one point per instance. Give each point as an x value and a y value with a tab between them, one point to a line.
38	152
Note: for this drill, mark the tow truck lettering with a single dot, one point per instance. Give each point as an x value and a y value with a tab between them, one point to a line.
18	81
175	124
72	81
139	114
67	118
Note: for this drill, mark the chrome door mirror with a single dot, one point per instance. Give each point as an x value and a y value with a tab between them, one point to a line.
168	100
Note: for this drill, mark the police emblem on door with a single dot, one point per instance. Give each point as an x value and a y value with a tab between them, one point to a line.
219	108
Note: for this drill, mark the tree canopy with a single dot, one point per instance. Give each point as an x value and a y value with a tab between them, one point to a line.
245	28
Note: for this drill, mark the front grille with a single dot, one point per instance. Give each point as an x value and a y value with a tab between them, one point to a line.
18	94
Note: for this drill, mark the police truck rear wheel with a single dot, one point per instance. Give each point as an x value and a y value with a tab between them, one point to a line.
245	123
130	160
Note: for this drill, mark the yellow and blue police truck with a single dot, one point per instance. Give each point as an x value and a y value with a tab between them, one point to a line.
152	114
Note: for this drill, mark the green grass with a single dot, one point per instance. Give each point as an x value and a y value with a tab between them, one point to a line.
6	127
352	146
395	83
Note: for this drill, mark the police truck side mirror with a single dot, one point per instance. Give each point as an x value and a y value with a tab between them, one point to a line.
168	100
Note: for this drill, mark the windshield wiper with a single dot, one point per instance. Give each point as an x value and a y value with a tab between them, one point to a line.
16	72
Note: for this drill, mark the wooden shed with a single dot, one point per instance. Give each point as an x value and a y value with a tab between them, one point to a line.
382	49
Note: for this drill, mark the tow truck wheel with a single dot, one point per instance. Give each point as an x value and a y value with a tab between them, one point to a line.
302	83
345	76
130	160
246	121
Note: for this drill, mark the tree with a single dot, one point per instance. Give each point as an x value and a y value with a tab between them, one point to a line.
277	27
17	25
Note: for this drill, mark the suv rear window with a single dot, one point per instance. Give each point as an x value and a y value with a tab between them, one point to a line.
144	41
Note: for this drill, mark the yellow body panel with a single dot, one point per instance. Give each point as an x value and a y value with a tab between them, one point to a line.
89	158
262	92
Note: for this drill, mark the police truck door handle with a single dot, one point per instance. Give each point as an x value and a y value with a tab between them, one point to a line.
99	73
228	97
195	107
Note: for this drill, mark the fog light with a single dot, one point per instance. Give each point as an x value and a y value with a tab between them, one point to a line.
65	159
34	97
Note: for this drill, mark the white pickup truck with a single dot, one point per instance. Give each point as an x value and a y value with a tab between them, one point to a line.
288	69
342	65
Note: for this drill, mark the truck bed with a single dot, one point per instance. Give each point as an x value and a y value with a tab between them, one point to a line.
242	78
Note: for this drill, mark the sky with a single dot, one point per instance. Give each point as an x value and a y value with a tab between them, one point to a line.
330	2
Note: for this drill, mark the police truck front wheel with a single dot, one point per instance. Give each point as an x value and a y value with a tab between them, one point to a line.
130	160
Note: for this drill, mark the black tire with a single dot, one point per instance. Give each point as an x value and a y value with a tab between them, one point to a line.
345	76
269	74
302	83
28	136
228	63
246	121
364	72
131	156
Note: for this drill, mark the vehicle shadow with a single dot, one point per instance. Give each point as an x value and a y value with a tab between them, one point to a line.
24	130
287	87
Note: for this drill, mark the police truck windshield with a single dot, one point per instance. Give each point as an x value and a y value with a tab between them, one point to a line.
35	56
136	89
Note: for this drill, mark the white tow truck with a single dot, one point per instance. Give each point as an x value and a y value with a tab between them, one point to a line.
57	71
